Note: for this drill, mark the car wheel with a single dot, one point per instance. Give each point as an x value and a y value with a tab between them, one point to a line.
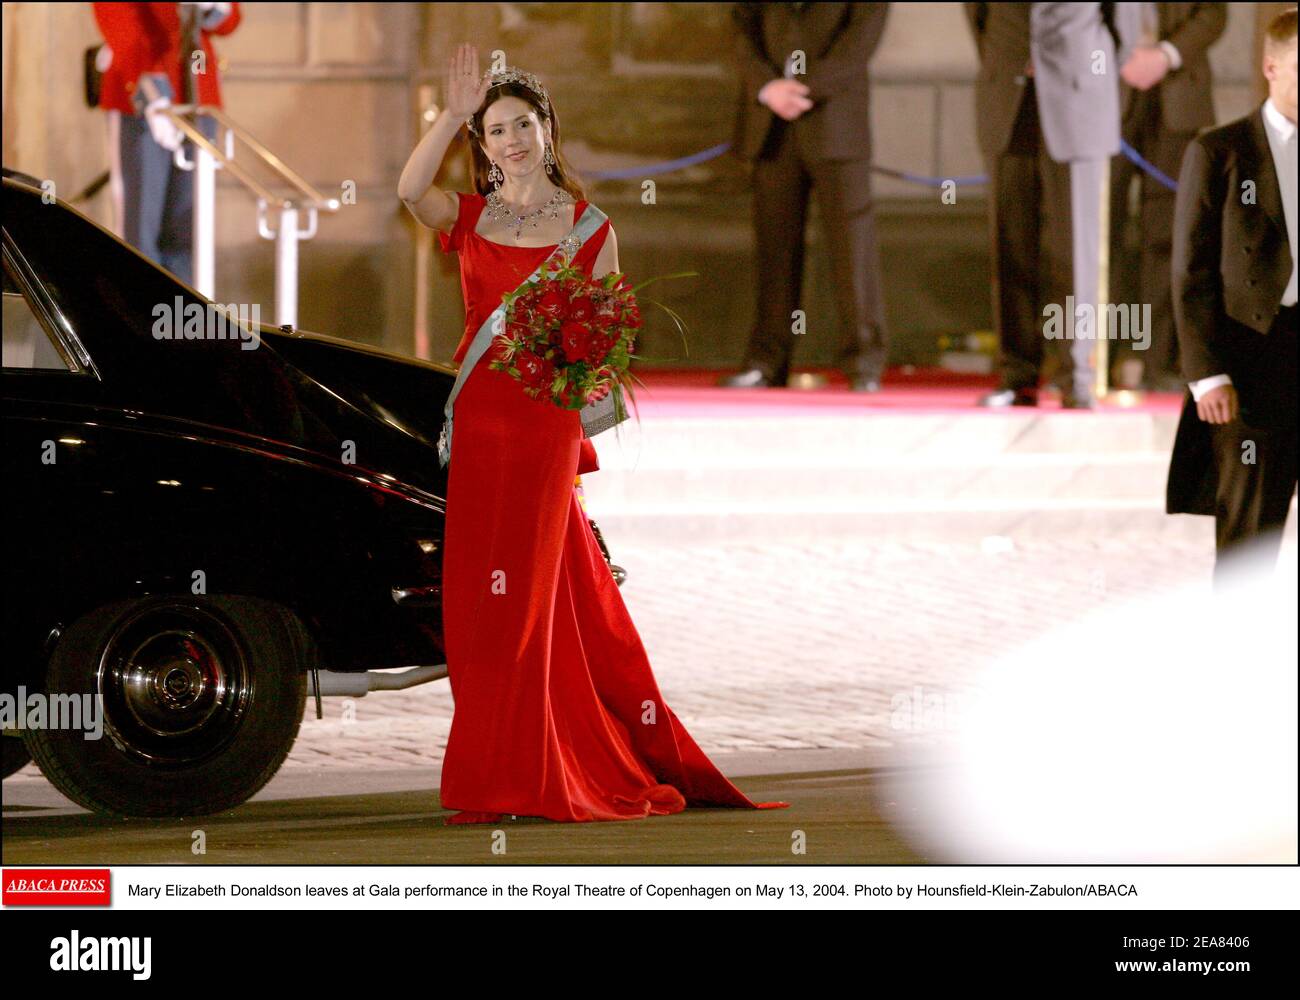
15	754
199	701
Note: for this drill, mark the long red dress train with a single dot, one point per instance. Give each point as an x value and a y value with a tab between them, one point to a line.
557	713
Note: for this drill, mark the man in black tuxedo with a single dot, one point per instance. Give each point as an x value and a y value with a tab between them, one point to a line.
1234	293
804	122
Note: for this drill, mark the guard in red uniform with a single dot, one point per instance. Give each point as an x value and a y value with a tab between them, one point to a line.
168	43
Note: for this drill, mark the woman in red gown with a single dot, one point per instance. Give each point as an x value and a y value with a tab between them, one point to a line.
557	713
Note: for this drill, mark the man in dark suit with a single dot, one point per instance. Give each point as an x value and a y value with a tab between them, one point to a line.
1167	100
1234	288
804	121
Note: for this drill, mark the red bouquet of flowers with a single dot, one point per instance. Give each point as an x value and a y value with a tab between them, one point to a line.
568	337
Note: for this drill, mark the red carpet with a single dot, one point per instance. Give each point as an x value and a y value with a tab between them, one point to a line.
695	392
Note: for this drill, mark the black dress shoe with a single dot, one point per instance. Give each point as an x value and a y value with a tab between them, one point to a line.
864	383
1009	397
748	379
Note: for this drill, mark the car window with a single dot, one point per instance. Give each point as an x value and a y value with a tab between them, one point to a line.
94	292
27	344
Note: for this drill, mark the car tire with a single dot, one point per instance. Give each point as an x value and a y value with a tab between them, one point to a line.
201	701
16	756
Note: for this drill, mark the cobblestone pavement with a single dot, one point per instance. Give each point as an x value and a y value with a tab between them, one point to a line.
797	646
805	645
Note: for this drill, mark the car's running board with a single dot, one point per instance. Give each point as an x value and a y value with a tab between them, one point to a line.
358	685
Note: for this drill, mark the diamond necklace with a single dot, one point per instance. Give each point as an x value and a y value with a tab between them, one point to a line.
503	213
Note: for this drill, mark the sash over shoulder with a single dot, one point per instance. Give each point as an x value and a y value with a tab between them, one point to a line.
583	230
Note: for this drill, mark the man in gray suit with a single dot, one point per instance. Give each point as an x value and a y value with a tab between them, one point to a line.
1048	111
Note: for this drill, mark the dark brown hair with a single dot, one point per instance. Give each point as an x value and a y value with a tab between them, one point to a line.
562	174
1281	29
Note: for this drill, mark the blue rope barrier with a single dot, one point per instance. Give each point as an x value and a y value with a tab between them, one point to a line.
634	173
713	152
934	182
1150	168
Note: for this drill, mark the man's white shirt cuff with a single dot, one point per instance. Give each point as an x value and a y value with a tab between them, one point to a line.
1175	57
1202	386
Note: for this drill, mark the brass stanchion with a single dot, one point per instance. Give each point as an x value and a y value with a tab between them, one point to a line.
807	380
423	240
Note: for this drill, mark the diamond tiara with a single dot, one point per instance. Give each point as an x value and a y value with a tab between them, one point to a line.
512	75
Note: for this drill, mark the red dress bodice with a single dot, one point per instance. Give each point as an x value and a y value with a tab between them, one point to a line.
489	270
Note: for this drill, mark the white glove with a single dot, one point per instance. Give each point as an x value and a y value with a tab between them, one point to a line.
211	15
163	129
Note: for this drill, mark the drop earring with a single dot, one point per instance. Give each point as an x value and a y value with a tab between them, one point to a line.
549	160
495	177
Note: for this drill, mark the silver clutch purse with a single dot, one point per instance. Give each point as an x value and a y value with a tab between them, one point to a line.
604	413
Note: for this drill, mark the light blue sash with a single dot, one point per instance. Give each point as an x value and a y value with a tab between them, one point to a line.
585	228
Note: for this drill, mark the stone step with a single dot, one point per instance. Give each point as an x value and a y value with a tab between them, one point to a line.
848	435
851	471
994	527
1008	478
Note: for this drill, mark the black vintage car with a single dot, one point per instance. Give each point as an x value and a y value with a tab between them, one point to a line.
199	521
